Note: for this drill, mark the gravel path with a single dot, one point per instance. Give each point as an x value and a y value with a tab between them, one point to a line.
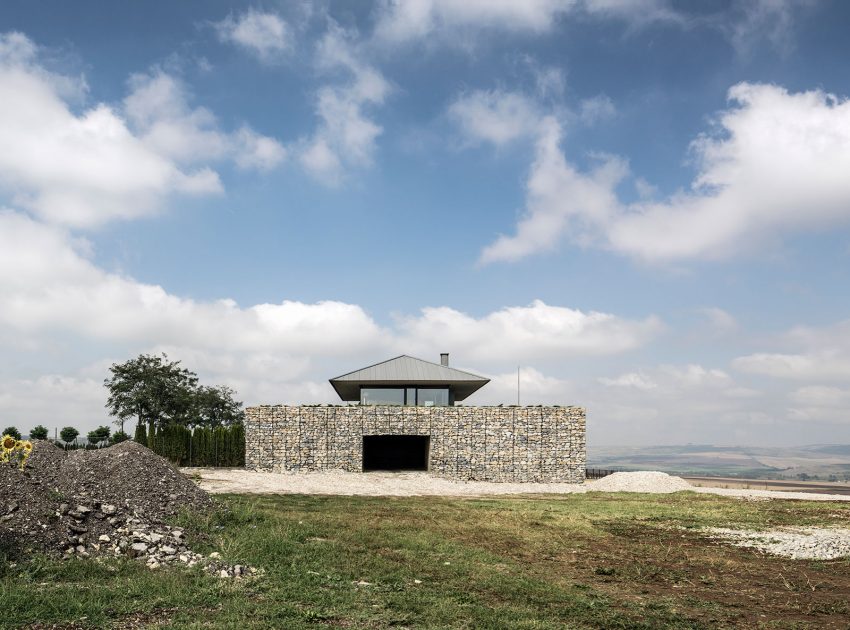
222	480
404	484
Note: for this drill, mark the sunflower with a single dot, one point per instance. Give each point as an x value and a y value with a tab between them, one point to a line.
26	445
8	443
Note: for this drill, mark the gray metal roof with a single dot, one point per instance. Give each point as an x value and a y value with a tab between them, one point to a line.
407	370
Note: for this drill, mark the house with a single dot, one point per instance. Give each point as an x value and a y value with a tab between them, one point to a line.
404	416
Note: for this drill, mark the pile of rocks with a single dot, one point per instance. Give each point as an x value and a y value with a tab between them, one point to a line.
651	481
110	502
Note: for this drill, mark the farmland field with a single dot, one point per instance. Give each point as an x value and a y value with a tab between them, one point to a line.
583	560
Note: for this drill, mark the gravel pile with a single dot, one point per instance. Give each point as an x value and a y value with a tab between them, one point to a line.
109	502
799	543
646	481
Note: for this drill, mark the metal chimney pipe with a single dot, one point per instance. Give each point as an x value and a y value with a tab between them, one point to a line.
444	359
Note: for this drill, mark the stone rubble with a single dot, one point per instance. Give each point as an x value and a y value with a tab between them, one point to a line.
651	481
94	503
798	543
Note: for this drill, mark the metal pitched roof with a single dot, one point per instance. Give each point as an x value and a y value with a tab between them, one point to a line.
407	370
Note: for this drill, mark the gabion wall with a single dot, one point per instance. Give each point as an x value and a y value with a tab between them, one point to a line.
469	443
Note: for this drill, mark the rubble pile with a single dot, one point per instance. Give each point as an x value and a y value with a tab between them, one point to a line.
109	502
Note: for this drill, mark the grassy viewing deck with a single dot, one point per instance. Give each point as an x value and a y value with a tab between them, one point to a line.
582	560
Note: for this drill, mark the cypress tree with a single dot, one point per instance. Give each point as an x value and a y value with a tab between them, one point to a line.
141	435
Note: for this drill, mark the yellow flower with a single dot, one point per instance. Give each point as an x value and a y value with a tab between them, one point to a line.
26	445
8	443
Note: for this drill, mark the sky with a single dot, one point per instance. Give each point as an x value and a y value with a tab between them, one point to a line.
641	205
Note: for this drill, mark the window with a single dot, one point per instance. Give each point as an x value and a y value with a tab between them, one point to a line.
432	397
410	396
381	396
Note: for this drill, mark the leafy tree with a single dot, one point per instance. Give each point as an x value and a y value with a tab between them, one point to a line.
68	434
215	406
100	434
38	432
118	436
13	432
151	389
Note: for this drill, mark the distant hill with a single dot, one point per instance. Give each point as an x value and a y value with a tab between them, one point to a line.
819	461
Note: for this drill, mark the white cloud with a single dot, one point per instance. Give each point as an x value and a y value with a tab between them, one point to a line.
346	136
559	199
494	116
720	322
631	379
80	170
54	294
535	388
524	333
400	21
777	164
810	354
596	109
265	35
819	403
759	20
159	110
51	287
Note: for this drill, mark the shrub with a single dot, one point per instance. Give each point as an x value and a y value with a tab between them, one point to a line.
118	436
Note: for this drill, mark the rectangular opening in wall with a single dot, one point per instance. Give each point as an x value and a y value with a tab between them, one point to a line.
395	452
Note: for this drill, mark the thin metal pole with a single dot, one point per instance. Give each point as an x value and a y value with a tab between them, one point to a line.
517	386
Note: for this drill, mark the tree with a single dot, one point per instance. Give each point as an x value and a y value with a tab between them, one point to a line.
38	432
100	434
118	436
151	389
141	435
68	434
13	432
215	406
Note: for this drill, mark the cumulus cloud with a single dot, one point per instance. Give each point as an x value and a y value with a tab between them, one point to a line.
265	35
271	351
106	163
494	116
159	110
346	136
559	199
52	287
536	331
79	170
775	164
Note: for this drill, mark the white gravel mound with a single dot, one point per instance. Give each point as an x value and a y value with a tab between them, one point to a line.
798	543
651	481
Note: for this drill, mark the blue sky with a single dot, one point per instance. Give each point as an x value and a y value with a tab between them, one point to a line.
644	204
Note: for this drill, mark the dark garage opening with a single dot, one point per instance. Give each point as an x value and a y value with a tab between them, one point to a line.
395	452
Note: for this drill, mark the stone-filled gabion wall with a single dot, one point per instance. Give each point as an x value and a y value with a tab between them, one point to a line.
470	443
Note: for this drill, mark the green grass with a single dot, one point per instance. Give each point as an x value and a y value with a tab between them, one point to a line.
573	561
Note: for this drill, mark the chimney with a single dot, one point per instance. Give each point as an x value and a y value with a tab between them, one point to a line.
444	359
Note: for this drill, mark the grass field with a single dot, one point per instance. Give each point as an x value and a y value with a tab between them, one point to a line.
583	560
